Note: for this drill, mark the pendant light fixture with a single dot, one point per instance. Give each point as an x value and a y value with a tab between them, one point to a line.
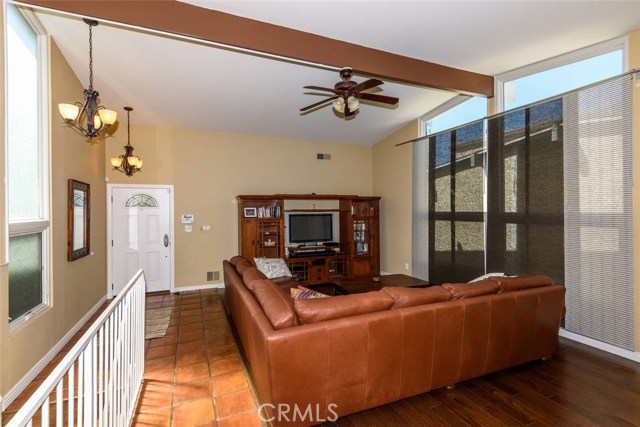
89	119
127	163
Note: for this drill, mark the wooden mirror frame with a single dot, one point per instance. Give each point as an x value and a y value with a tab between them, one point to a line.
73	254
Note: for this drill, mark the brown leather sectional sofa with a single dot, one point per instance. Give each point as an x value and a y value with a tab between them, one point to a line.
314	360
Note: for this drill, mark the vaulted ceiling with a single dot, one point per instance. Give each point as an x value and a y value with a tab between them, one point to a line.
178	82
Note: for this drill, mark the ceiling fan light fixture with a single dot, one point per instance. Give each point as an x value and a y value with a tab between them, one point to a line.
353	103
338	105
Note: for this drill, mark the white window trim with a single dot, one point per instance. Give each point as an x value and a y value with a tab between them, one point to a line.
440	109
37	225
558	61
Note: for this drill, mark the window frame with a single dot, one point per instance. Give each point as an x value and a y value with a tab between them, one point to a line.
619	43
40	225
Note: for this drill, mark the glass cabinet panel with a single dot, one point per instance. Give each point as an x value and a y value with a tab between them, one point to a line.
361	236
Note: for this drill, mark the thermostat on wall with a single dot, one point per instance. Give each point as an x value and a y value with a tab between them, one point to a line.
188	219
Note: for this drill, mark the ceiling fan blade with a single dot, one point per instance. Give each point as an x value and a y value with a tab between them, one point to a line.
309	107
326	89
379	98
367	84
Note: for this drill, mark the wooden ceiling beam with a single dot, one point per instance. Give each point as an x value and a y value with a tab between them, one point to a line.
179	18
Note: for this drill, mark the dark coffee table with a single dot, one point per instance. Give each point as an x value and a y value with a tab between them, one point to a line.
365	284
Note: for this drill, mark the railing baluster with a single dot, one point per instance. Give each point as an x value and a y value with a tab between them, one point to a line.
108	365
100	375
71	397
45	412
59	402
79	420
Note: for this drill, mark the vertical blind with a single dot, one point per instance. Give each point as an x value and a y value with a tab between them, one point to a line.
598	238
456	218
525	191
558	179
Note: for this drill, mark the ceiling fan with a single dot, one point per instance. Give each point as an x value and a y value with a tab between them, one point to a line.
347	94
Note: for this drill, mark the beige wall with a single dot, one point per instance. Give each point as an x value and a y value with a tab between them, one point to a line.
208	170
75	286
392	181
634	63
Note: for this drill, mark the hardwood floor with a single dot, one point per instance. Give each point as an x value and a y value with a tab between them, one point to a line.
579	386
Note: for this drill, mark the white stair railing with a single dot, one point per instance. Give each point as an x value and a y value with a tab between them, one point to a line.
97	382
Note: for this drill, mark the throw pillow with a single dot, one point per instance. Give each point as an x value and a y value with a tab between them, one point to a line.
273	267
486	276
305	293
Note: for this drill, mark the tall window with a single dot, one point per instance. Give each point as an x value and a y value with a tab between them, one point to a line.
27	168
459	110
556	76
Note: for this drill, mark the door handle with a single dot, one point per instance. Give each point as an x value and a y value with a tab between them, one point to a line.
166	240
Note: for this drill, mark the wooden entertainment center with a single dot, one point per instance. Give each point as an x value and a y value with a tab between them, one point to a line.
262	228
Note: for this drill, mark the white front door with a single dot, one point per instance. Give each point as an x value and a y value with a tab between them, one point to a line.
141	236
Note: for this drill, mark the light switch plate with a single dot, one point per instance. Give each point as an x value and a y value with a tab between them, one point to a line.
188	228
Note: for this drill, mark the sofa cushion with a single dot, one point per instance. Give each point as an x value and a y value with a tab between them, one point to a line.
276	304
250	276
242	266
236	259
320	309
471	290
509	284
273	267
408	297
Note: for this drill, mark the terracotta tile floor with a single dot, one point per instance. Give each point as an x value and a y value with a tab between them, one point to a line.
194	375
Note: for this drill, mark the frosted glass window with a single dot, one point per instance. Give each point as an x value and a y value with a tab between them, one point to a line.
27	167
23	124
25	274
141	201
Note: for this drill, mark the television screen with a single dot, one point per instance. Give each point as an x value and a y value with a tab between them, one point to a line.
310	228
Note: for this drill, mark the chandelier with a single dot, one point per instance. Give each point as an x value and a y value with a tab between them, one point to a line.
89	119
127	163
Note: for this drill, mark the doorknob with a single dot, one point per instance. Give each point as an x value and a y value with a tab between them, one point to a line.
166	240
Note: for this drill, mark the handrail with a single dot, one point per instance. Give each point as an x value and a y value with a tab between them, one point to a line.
112	344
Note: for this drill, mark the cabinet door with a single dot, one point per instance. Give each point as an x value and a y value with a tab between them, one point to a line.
247	238
361	266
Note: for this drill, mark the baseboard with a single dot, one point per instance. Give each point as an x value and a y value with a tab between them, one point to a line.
627	354
384	273
33	373
217	285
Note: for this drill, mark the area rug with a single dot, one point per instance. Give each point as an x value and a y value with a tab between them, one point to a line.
156	322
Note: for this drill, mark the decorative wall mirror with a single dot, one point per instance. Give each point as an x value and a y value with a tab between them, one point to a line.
78	220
